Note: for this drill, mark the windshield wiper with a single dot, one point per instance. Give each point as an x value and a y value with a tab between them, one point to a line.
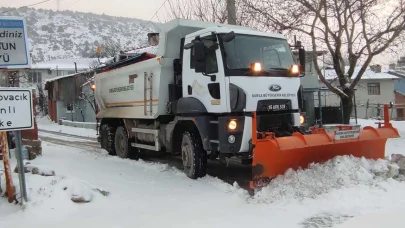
277	68
265	70
248	70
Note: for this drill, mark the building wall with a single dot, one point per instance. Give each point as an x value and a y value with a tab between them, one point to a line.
76	116
399	85
67	91
376	102
400	105
310	80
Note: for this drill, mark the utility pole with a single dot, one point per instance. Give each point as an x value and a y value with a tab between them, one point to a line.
231	9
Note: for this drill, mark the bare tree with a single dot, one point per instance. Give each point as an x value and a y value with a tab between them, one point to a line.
209	10
87	93
358	29
42	102
108	48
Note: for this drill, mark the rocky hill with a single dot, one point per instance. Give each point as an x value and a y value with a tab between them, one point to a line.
68	34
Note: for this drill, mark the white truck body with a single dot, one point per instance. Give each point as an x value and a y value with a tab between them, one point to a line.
136	91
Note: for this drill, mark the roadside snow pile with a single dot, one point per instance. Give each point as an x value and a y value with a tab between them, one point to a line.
36	169
42	184
80	191
338	173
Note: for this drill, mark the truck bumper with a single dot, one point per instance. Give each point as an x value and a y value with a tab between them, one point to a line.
238	140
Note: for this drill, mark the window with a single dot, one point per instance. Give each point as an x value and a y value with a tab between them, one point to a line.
373	88
69	108
274	54
211	63
35	77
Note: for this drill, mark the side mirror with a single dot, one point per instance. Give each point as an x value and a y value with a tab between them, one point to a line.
199	56
228	37
301	56
199	51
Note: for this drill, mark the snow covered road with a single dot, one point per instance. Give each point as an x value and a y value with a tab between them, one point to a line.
230	173
150	194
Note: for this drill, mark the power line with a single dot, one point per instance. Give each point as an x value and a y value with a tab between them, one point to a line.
25	6
150	20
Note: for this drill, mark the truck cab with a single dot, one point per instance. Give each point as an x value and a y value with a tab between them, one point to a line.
226	74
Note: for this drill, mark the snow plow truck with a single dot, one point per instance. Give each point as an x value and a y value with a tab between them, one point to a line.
214	91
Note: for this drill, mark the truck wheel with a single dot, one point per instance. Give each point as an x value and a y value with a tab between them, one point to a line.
107	140
193	155
121	142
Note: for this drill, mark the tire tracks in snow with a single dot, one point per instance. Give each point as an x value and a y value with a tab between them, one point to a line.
230	173
68	140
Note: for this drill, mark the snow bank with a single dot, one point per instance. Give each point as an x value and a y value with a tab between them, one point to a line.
376	220
400	125
45	124
338	173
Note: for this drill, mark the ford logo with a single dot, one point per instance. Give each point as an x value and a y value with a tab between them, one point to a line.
274	88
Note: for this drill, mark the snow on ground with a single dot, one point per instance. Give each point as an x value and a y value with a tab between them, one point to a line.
343	189
393	145
45	124
391	219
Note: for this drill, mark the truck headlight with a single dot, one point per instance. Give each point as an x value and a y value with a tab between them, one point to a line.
302	119
232	125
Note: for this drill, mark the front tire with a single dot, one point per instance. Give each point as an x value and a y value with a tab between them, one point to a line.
193	155
121	142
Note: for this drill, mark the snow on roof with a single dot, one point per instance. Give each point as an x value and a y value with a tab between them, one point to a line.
148	49
330	74
398	73
60	77
67	64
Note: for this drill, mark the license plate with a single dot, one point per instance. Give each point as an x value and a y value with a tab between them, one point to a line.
277	107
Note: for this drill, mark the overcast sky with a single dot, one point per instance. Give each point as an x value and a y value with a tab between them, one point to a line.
142	9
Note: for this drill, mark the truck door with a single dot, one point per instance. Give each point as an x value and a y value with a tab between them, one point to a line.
211	91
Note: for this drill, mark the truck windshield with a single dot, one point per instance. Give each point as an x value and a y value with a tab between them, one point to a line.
274	54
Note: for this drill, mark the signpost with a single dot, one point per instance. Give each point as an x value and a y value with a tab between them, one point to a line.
16	108
16	114
14	52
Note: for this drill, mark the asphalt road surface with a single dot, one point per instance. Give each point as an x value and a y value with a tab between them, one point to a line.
230	171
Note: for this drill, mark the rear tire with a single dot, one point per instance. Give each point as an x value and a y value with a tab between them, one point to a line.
121	142
107	140
193	155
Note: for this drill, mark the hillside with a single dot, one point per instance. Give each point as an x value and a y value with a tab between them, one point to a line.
67	34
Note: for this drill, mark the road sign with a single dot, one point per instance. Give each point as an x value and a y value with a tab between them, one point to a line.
14	52
16	109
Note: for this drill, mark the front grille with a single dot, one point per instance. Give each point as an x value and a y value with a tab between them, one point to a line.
280	124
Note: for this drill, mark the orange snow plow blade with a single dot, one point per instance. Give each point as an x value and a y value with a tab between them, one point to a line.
273	156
